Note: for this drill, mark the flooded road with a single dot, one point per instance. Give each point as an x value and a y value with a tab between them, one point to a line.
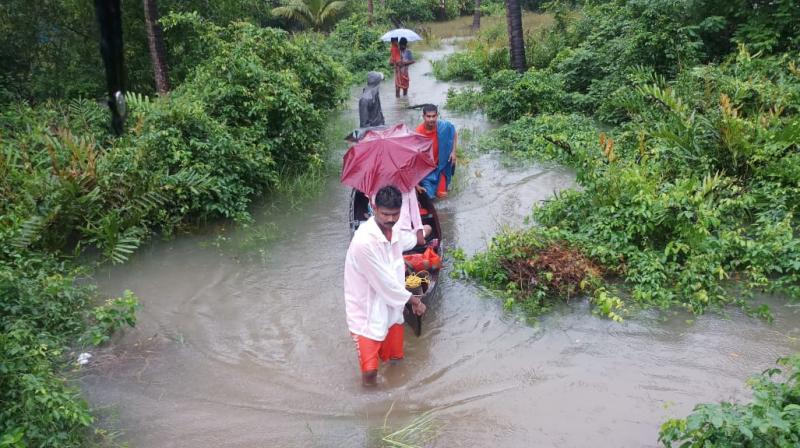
251	349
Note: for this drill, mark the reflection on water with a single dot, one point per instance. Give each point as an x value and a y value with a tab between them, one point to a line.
242	351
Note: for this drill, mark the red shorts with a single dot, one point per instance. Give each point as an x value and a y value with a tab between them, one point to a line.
369	350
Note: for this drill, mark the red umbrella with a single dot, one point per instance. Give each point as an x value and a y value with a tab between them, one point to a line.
394	156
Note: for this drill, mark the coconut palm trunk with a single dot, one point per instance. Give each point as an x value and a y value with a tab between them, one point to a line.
155	41
515	39
476	16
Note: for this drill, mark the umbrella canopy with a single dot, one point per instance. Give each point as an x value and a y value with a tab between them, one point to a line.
393	156
401	32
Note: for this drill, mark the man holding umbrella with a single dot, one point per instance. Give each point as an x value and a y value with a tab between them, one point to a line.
374	287
401	78
401	56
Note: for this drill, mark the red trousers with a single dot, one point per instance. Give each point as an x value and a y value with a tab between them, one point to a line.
370	350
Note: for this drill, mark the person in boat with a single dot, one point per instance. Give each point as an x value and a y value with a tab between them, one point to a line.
443	134
369	104
401	79
410	221
374	286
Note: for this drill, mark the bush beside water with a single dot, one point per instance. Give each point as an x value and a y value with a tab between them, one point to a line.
772	419
685	142
688	171
693	193
249	114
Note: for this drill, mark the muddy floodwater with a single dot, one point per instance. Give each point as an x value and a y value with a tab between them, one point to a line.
242	341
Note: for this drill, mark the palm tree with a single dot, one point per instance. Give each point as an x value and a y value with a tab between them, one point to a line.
155	41
476	16
317	14
515	40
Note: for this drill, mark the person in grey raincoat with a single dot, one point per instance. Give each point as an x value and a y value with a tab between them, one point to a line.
369	104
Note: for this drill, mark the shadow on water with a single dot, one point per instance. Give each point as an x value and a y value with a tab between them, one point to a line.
240	351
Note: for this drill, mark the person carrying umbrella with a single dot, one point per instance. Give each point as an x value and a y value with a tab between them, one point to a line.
374	287
401	78
443	134
394	156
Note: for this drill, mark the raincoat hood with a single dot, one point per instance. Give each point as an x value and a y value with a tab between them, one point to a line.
374	79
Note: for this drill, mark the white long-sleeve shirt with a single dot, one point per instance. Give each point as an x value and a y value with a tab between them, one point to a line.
374	282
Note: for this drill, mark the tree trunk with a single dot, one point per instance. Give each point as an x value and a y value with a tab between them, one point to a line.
155	41
515	38
476	16
369	9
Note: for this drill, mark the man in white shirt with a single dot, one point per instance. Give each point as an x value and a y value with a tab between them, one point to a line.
374	286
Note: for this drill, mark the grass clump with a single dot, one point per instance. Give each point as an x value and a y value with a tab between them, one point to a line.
535	270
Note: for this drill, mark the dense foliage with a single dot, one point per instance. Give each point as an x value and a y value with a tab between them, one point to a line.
682	121
248	112
50	49
772	419
358	47
597	49
697	189
693	181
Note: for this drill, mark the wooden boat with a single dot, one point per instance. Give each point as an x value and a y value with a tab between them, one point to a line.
359	213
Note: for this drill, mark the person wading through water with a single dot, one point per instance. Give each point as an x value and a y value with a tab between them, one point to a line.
443	134
369	104
401	62
374	286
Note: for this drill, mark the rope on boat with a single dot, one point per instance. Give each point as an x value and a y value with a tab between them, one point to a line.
418	279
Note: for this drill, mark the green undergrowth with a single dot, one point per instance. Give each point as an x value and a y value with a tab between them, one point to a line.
358	47
697	193
247	120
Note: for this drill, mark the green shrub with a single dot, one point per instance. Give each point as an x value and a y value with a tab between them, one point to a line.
413	10
543	47
534	270
249	113
483	57
464	100
459	66
42	311
772	419
509	95
694	191
358	47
